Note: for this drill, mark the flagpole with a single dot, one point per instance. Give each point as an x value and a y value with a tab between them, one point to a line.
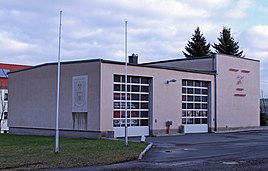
126	130
58	93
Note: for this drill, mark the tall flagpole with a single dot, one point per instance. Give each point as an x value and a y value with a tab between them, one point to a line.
126	130
58	94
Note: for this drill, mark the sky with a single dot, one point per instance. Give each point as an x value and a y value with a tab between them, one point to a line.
157	29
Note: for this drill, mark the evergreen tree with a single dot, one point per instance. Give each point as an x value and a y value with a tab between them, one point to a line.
198	46
227	44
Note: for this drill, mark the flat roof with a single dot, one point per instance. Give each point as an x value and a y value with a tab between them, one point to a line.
116	63
196	58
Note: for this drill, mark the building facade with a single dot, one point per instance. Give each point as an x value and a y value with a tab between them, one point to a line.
4	69
206	94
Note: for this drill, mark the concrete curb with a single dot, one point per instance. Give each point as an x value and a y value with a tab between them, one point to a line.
145	151
241	130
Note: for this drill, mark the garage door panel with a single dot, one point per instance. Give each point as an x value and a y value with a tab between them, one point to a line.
196	128
195	95
132	131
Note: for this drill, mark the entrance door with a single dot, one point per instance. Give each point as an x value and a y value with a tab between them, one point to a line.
195	106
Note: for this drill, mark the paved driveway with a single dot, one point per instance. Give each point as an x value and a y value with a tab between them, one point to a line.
222	151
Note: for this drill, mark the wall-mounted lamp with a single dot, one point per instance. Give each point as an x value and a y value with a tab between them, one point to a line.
172	81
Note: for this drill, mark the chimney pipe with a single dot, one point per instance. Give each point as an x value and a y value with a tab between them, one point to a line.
133	59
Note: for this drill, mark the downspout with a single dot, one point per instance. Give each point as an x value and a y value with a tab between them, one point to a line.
214	65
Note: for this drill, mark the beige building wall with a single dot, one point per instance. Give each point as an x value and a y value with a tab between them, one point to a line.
165	101
32	97
238	88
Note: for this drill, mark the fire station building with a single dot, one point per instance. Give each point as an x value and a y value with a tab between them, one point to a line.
207	94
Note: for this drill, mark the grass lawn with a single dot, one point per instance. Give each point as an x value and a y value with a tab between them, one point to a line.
19	152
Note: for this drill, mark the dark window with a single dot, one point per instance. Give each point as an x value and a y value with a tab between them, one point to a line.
123	87
144	80
116	78
184	113
144	122
123	96
197	98
197	120
134	96
6	96
183	90
204	84
134	122
204	113
204	91
144	105
135	88
144	89
183	105
116	96
190	90
116	87
117	123
135	105
190	105
5	115
204	120
134	114
144	97
144	114
190	113
116	105
183	98
189	120
184	82
190	83
204	98
197	91
183	121
197	83
197	105
116	114
204	106
190	98
135	80
123	114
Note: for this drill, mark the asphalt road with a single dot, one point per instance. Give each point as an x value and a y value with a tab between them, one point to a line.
246	150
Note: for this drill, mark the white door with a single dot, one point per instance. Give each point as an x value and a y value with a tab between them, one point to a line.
137	106
195	106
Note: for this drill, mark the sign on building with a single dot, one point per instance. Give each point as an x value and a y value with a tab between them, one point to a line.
79	93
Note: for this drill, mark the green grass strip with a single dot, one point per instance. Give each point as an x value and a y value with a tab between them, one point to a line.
19	152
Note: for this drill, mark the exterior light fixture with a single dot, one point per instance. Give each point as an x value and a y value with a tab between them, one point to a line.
171	81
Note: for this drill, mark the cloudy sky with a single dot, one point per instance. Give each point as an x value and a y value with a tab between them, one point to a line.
157	29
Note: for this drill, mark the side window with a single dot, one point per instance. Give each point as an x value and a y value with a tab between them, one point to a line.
5	115
6	96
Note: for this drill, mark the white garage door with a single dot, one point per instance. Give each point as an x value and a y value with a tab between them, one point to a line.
195	106
137	106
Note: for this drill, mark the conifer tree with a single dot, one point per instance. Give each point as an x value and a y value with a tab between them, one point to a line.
198	46
227	44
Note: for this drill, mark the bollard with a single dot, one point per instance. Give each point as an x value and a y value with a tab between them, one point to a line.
143	139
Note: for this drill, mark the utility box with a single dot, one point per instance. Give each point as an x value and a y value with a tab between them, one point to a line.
181	129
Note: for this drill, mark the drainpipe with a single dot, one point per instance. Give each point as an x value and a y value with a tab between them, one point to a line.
214	65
